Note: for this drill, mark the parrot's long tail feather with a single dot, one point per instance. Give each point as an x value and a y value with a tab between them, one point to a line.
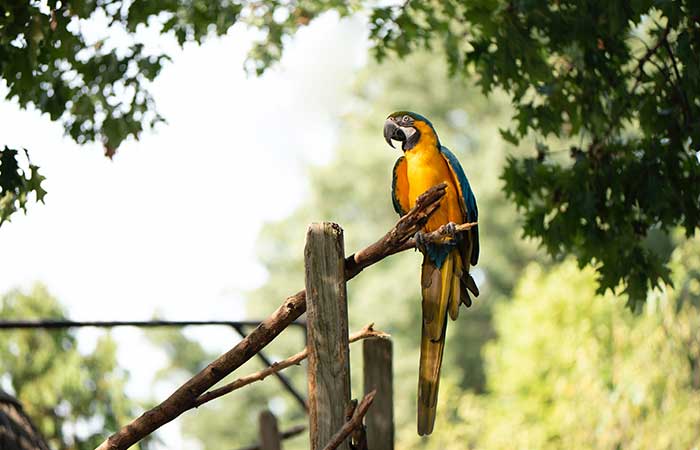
429	380
441	293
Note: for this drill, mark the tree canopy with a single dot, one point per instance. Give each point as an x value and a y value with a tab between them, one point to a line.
606	93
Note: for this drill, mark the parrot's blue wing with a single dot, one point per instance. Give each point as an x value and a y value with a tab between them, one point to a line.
468	199
399	187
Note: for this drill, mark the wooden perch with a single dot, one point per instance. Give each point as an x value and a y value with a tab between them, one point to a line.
352	424
378	374
185	397
367	332
328	370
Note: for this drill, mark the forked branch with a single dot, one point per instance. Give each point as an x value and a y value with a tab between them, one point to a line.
367	332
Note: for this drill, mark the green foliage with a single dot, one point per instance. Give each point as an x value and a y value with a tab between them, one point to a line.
571	369
16	184
75	400
98	91
98	87
618	81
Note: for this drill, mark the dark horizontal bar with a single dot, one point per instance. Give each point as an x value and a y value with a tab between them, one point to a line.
55	324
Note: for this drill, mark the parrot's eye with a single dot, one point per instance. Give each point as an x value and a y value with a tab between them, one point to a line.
406	119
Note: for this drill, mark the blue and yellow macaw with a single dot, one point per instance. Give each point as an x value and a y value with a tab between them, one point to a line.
445	278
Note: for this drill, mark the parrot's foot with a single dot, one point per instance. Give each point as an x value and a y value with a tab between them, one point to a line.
421	241
448	232
451	229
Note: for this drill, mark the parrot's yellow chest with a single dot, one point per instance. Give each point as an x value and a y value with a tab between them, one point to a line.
426	167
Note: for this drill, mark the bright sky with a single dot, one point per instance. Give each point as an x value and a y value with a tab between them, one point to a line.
170	224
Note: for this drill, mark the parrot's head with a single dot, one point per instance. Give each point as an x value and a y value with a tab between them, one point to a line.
409	128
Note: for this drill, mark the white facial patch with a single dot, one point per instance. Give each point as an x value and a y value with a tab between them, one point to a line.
408	131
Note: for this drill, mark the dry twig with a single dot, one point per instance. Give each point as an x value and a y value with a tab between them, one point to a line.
367	332
353	423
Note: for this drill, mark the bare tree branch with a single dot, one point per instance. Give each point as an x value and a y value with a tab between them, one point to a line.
353	423
367	332
185	397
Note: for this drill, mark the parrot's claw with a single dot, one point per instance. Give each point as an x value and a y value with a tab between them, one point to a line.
421	242
451	229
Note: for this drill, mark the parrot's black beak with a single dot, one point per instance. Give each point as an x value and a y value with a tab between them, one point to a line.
392	131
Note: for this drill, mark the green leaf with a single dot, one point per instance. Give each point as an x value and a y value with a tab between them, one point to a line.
509	136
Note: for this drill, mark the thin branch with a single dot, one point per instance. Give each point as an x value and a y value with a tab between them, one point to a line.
290	433
639	69
287	384
683	97
354	423
185	397
663	70
358	436
667	47
367	332
647	56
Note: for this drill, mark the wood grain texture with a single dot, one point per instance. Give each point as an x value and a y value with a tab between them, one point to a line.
378	376
327	328
270	438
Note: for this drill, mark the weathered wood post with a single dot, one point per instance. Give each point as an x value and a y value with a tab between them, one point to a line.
270	438
327	325
379	421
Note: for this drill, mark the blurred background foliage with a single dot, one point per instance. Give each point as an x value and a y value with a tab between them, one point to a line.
573	369
74	397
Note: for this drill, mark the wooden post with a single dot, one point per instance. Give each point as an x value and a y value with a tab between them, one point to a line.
327	326
379	421
269	433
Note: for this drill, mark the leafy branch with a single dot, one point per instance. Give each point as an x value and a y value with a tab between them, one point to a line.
16	184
